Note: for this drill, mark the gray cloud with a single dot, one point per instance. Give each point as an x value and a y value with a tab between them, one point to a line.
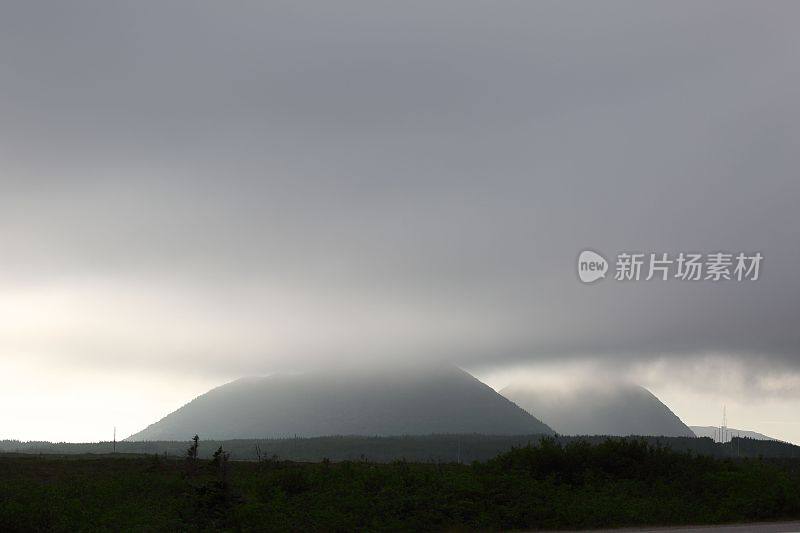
270	185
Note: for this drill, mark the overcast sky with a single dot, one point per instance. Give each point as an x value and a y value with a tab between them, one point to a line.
195	191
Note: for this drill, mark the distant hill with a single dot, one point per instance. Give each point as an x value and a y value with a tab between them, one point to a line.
407	401
600	410
709	431
417	448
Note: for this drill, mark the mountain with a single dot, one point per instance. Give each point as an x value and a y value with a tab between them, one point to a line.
620	409
709	431
396	401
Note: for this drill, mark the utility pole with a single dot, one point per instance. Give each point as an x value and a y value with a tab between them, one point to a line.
724	423
114	449
723	429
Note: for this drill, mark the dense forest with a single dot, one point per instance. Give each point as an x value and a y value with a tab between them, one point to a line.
429	448
616	482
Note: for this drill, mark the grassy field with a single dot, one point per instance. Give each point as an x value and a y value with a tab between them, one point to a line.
614	483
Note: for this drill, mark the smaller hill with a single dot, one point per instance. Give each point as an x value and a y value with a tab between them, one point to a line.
619	410
710	432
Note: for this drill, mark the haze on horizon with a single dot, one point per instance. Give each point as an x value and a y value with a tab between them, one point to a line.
192	192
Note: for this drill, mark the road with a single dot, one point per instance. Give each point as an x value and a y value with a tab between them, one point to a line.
760	527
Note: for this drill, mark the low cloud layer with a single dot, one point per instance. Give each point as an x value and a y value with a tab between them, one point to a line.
216	190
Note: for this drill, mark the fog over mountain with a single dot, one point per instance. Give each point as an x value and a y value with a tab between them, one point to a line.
604	409
417	400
